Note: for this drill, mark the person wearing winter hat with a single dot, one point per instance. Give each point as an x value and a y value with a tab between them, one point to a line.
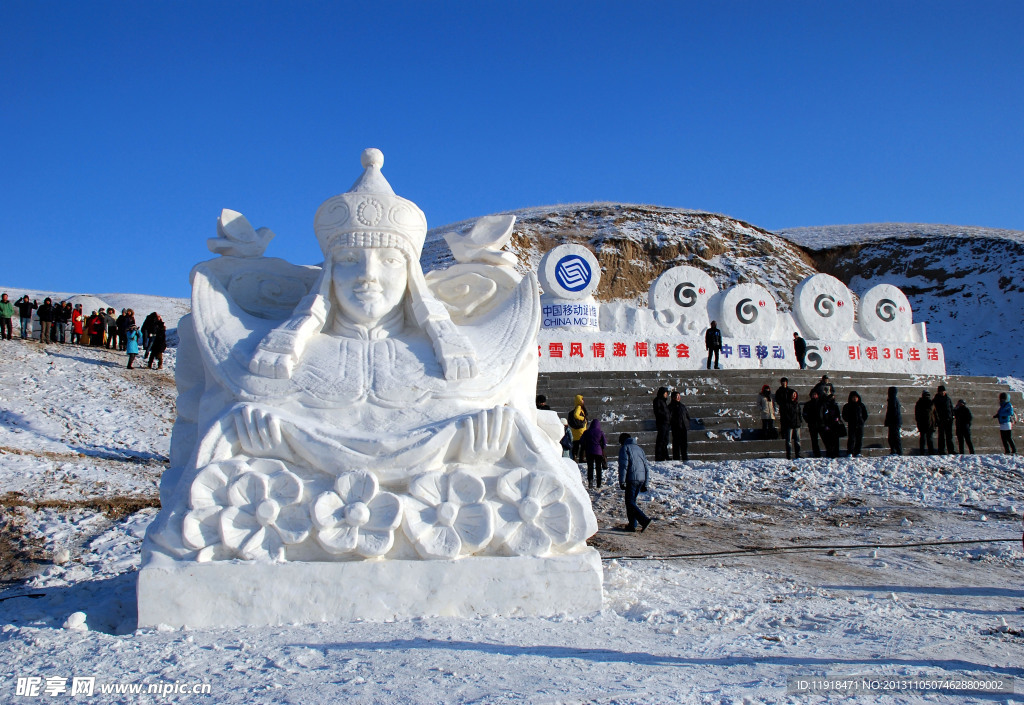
894	422
963	417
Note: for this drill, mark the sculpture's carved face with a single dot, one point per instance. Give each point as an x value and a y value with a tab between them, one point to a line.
368	283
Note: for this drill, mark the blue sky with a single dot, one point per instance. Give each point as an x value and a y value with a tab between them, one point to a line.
125	127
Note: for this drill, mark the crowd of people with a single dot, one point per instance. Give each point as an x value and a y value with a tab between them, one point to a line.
584	439
62	323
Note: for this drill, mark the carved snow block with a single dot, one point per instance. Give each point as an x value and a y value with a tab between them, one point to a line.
885	313
235	593
824	307
681	296
745	311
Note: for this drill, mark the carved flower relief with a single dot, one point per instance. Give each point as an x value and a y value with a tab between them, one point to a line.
253	507
535	518
445	515
356	517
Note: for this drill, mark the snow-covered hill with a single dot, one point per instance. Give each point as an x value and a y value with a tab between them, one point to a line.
965	282
636	243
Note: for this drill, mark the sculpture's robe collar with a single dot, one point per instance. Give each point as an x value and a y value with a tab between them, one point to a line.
391	325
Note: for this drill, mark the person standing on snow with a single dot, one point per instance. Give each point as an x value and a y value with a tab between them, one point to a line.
1005	418
789	419
924	415
634	470
157	344
6	317
894	422
662	423
713	343
25	308
800	348
855	414
963	417
594	444
769	412
577	424
812	415
679	418
944	413
132	337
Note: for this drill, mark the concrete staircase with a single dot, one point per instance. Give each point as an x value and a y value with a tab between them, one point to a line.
727	423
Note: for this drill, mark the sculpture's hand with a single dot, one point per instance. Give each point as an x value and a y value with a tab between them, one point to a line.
488	434
457	360
275	355
258	432
459	366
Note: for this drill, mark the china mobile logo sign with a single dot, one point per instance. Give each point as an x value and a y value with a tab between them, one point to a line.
52	686
572	273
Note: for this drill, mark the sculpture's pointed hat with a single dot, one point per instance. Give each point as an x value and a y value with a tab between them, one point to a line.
370	215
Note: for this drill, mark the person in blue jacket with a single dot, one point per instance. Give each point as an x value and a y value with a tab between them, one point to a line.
132	344
1005	418
634	470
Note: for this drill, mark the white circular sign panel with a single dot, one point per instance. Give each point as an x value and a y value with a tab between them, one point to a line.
569	272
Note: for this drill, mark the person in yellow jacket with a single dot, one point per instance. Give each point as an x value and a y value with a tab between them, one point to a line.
578	424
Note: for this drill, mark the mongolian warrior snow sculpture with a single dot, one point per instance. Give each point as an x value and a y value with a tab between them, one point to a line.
359	440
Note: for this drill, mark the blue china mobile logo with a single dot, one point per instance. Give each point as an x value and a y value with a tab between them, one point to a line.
572	273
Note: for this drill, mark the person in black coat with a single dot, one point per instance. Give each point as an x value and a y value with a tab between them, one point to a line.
45	314
713	343
789	420
963	417
812	415
158	343
894	422
679	419
783	391
800	348
542	403
662	423
855	414
924	415
944	411
831	426
824	388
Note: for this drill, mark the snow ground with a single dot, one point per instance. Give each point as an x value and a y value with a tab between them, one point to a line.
83	441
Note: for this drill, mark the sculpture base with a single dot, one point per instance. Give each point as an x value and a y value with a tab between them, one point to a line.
235	593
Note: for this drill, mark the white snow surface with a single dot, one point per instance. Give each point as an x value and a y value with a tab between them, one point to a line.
710	629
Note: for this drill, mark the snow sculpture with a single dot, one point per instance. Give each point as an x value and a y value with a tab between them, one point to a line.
824	307
681	295
885	313
744	311
357	440
569	275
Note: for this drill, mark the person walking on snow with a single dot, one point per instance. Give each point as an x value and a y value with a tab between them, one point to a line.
1005	418
634	471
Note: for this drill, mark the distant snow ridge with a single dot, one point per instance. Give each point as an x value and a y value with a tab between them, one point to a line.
828	236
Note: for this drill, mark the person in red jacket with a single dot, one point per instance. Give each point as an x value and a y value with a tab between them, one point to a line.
77	321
